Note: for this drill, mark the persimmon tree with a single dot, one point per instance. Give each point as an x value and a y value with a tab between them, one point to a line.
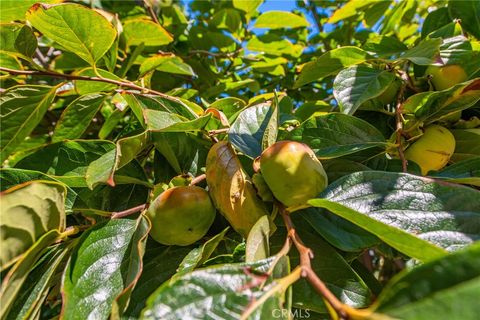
215	160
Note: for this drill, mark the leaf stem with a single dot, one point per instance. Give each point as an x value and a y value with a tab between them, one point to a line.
125	213
306	254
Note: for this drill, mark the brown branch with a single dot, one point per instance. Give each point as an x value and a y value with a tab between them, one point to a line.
125	213
216	54
399	126
218	131
151	12
306	255
198	179
125	84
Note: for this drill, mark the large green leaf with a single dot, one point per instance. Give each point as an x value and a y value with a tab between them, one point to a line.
22	109
249	6
274	45
466	144
29	211
335	134
330	63
257	245
231	286
16	276
465	172
35	288
446	288
166	63
77	116
76	28
358	84
467	11
137	31
15	10
394	207
11	177
18	40
424	53
254	129
431	106
159	264
110	251
279	20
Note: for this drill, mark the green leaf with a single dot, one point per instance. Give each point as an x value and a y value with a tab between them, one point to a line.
424	53
330	63
274	45
394	207
384	46
17	275
279	20
85	87
330	266
431	106
22	108
230	106
159	121
466	144
228	19
249	6
252	127
350	9
435	20
159	264
76	28
467	11
228	282
66	161
29	211
77	116
110	250
18	40
34	291
138	31
335	134
445	288
11	177
257	246
198	256
358	84
339	232
465	172
166	63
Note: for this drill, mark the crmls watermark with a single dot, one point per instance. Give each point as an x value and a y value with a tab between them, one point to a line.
286	313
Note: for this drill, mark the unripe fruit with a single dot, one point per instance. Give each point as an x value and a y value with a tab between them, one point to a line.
181	215
433	149
293	172
446	76
389	95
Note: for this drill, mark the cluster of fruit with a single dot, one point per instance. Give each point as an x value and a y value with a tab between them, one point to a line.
291	172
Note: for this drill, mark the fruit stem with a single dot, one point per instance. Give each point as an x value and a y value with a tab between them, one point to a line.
125	213
198	179
306	254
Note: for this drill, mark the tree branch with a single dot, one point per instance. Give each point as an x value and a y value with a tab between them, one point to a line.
198	179
306	255
125	84
125	213
151	12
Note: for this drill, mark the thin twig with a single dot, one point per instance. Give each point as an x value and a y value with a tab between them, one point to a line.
151	12
125	84
399	126
216	54
125	213
198	179
306	255
218	131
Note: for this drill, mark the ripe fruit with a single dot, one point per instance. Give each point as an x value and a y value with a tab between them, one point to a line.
181	215
293	172
446	76
389	95
433	150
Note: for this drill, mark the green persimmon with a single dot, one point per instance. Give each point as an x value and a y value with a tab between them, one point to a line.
433	149
389	95
292	172
444	77
181	215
